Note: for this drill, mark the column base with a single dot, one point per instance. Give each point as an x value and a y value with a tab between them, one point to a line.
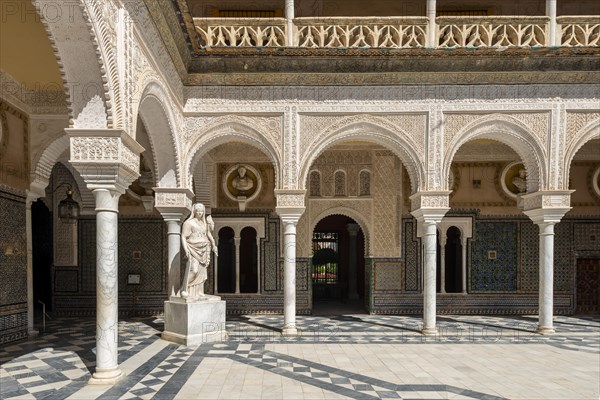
108	377
544	330
289	331
32	332
429	331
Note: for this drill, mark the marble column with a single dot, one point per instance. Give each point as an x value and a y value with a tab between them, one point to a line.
31	197
431	25
545	209
353	232
174	204
464	264
289	278
108	162
429	208
289	15
546	273
107	284
236	240
429	283
443	240
290	206
551	12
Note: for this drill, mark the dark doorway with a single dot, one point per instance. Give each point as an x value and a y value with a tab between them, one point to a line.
41	235
338	249
588	286
453	260
248	261
226	261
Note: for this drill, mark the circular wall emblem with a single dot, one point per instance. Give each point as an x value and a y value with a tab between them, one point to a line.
242	180
514	179
596	181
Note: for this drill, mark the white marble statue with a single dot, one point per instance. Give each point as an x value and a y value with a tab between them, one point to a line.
198	242
521	181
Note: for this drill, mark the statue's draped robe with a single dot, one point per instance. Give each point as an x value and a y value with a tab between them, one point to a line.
200	248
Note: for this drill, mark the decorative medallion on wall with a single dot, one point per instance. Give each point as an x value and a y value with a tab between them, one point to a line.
3	132
242	183
596	181
514	179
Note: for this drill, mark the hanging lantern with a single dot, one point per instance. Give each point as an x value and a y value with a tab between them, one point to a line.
68	209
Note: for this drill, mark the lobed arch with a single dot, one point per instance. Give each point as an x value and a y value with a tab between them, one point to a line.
346	212
372	132
88	65
227	132
511	132
587	133
159	121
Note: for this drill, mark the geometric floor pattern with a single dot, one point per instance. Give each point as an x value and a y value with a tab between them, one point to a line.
347	356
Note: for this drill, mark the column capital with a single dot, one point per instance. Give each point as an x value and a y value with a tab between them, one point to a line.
430	206
173	203
548	206
105	158
290	204
353	229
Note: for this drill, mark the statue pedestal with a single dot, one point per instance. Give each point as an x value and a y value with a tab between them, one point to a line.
194	321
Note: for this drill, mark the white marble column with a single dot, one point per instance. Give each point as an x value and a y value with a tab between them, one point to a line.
443	240
429	266
174	204
464	264
551	12
174	254
290	206
546	285
108	161
236	240
107	284
257	265
353	232
429	208
545	209
289	278
431	26
289	15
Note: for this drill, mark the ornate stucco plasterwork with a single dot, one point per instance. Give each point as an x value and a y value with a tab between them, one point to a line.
576	121
93	115
173	200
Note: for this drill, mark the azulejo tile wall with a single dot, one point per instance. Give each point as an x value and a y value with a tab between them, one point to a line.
142	250
494	256
13	266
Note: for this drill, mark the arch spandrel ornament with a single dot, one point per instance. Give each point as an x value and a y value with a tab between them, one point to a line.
203	137
589	129
370	129
513	133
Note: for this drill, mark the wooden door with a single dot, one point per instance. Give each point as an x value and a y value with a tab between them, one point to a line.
588	286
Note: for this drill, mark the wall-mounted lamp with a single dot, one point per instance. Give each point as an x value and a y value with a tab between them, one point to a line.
68	209
11	249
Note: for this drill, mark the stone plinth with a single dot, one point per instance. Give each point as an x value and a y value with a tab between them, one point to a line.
194	321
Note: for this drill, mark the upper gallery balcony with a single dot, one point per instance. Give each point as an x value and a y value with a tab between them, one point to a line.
417	24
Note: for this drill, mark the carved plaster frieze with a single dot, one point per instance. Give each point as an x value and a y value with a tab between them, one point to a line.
547	206
576	121
173	201
390	98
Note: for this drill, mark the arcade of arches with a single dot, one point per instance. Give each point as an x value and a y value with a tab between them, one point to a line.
465	197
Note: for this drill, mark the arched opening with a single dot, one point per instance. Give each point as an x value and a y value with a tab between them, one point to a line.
338	265
248	261
42	253
584	179
453	260
226	275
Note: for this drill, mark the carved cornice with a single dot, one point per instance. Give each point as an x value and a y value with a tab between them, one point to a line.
42	101
290	204
547	206
430	206
173	202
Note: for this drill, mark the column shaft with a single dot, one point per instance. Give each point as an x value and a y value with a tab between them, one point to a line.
174	257
237	240
289	277
107	285
464	265
551	12
546	303
442	264
429	309
431	26
30	307
289	15
352	262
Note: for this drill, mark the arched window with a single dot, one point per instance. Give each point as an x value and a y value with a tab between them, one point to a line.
364	183
248	261
315	184
339	179
226	261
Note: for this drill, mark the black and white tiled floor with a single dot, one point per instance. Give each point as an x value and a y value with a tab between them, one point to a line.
350	356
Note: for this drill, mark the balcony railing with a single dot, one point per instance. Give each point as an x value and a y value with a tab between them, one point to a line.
397	32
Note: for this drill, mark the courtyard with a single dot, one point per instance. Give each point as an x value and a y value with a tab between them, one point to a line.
333	357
